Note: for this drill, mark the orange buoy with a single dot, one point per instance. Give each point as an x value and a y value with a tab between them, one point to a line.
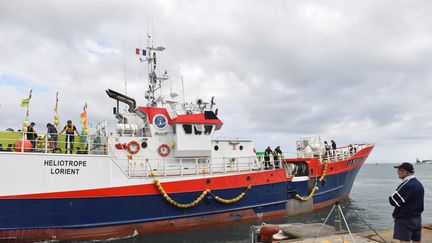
267	231
164	150
27	145
133	147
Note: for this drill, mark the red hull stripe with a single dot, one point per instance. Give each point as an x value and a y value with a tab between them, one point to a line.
215	183
198	185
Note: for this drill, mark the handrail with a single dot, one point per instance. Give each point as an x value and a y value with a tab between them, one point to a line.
167	167
50	143
139	166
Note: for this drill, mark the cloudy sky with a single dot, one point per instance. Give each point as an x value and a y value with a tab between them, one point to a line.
352	71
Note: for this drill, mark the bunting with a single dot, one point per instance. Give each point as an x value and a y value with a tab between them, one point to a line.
84	119
56	116
26	103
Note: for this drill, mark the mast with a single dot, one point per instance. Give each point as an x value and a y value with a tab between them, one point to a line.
154	82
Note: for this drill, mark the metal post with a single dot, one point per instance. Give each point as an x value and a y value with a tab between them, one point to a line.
22	143
128	168
196	166
145	168
210	166
224	165
337	221
322	225
250	163
238	168
181	166
88	144
164	167
46	143
67	144
346	224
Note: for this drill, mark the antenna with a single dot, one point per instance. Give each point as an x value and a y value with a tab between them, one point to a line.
198	89
124	65
153	79
183	90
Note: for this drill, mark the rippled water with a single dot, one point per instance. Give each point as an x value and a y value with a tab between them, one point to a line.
369	199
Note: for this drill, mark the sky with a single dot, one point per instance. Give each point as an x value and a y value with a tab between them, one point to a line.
351	71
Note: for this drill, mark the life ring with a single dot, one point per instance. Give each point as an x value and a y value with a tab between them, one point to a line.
133	147
164	150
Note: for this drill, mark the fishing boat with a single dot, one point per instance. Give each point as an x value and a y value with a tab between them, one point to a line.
160	169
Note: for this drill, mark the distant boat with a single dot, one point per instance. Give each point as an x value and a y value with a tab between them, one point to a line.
425	161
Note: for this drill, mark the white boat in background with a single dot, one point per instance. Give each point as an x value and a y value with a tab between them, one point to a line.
425	161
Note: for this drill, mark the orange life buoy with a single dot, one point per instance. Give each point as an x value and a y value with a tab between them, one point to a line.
164	150
133	147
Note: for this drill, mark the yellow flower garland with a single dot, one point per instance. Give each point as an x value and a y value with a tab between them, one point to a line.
315	187
198	199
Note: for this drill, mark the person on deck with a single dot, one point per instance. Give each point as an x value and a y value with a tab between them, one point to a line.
277	155
333	146
327	149
267	153
408	203
32	135
70	137
52	135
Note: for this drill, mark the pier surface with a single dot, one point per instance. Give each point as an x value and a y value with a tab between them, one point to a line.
362	237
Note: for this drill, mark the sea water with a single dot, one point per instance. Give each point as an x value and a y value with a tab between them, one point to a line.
369	201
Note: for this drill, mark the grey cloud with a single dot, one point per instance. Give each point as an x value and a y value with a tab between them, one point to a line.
279	69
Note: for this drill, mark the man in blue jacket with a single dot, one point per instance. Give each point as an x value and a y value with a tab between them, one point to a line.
408	200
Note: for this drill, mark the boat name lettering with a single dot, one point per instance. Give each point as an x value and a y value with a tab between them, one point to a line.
354	161
65	163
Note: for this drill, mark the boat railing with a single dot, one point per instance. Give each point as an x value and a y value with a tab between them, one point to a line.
332	155
52	143
165	167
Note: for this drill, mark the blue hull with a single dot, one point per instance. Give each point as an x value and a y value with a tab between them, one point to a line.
19	214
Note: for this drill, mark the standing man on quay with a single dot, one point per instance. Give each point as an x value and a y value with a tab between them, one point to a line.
408	200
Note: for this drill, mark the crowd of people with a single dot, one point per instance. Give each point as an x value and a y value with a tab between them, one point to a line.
52	133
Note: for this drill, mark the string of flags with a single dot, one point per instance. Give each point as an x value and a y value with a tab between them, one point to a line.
26	103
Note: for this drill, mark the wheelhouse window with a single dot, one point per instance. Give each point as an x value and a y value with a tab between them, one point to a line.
187	128
199	128
208	129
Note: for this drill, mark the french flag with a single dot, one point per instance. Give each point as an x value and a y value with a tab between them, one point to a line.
141	52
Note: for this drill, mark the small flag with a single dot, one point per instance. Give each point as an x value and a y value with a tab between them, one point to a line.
84	114
141	52
25	102
84	119
56	104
